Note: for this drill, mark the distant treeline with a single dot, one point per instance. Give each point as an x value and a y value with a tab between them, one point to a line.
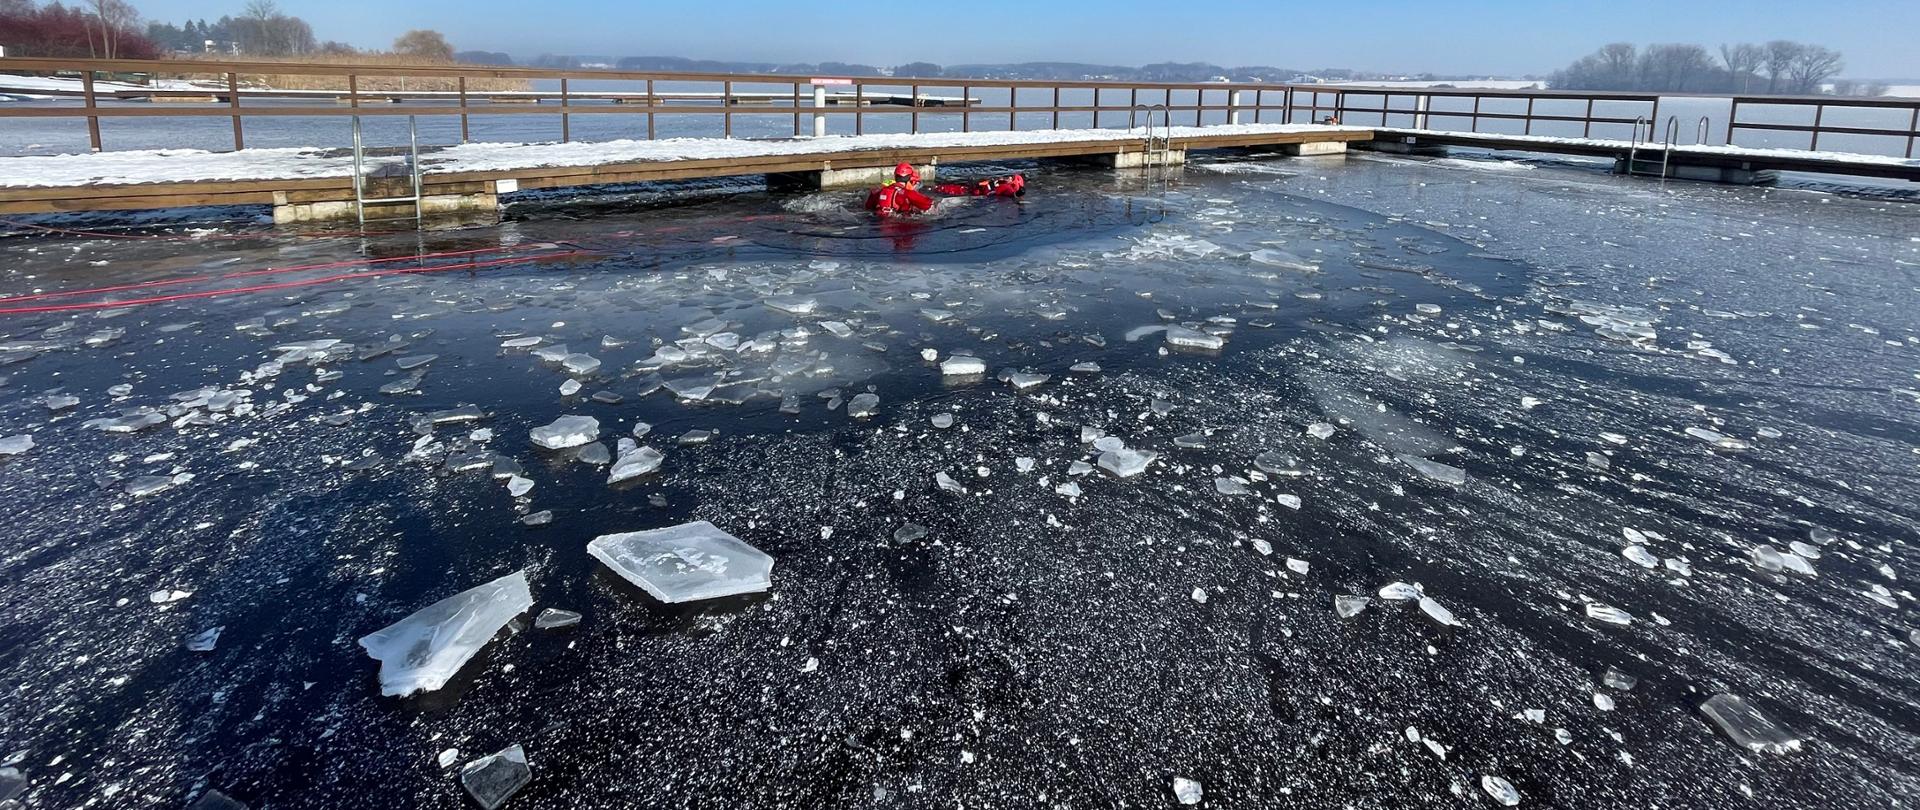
1063	71
1780	66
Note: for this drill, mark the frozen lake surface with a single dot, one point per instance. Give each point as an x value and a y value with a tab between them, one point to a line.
1497	474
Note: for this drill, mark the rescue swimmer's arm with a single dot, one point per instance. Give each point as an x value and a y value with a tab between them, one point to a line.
919	202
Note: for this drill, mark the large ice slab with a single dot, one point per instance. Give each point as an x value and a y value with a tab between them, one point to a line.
685	563
1747	727
565	432
421	652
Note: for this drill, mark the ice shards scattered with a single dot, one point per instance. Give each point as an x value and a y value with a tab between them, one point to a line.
15	445
422	651
1609	614
1348	607
1193	339
863	405
205	640
1615	679
635	463
961	365
1500	789
1747	726
1399	591
493	779
555	618
567	431
127	423
685	563
1438	612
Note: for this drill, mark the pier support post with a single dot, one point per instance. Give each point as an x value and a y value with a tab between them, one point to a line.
831	178
819	111
1235	100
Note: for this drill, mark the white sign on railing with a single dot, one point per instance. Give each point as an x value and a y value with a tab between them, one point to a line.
832	81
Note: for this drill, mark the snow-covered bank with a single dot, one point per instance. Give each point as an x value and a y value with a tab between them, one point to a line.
1680	149
188	165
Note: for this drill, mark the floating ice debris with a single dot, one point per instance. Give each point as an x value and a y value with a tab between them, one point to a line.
413	361
129	423
595	454
1603	702
1718	440
1194	440
15	445
1798	564
1767	558
1297	566
580	363
1598	461
685	563
1125	463
692	389
520	342
215	800
570	387
492	780
793	305
695	436
1274	462
555	618
1350	606
205	640
837	329
1320	430
1443	473
1068	489
1085	368
1822	536
944	481
1023	380
1282	260
942	420
1200	595
1615	679
961	365
936	315
1640	556
909	532
463	413
1608	614
1106	444
635	463
862	405
1438	612
1159	407
447	757
162	597
1747	726
1399	591
567	431
401	386
1500	789
1288	500
1187	791
145	485
540	518
59	402
1228	486
422	651
517	486
1265	548
1806	550
1193	339
1023	464
1079	468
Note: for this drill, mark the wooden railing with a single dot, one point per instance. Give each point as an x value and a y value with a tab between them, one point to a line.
727	95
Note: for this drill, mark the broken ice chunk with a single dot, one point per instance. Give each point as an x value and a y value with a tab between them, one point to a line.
205	640
1443	473
635	463
518	486
942	420
793	305
1228	486
1438	612
555	618
211	800
1615	679
129	423
863	405
1500	789
15	445
1274	462
540	518
1399	591
520	342
1125	463
422	651
1085	368
413	361
1608	614
1193	339
1105	444
145	485
570	387
1640	556
1320	430
1187	791
60	402
162	597
909	532
1023	380
492	780
1350	606
1717	439
595	454
567	431
944	481
580	363
961	365
1747	726
685	563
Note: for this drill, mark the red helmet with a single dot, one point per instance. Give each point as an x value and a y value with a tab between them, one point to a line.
905	172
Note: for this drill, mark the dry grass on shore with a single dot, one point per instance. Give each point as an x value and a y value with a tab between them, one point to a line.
367	82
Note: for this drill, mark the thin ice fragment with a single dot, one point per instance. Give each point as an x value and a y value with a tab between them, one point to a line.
422	651
685	563
1747	726
493	779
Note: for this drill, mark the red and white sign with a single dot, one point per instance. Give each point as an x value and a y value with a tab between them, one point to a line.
833	81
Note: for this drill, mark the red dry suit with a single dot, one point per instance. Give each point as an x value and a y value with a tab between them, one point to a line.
897	198
997	187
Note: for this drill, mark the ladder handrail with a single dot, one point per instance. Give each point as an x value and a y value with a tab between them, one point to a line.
1633	146
360	198
1701	131
1673	137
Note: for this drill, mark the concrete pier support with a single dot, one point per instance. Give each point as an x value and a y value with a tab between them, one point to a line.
1729	175
1235	100
843	178
1316	148
1139	160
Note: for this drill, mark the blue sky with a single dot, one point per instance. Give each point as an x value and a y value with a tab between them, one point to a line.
1506	37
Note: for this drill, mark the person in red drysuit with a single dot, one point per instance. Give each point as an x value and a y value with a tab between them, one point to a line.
899	196
1014	185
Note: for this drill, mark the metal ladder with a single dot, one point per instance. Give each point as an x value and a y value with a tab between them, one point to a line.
360	198
1667	144
1158	148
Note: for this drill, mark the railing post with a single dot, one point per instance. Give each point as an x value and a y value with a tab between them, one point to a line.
1234	100
353	90
1096	106
1259	102
1474	124
1819	111
93	121
913	103
1056	106
1286	115
652	102
966	110
1653	120
819	111
566	120
1013	108
233	103
463	110
1199	104
796	109
1586	128
726	107
1528	129
1386	100
1421	104
859	109
1913	127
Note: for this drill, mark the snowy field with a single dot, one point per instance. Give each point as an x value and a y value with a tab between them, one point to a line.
1376	482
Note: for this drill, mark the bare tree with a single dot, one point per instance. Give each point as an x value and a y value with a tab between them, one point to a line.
1742	61
1812	67
425	44
15	8
1780	57
1874	89
1617	63
264	30
1674	68
113	17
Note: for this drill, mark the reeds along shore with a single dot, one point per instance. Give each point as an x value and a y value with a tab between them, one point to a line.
367	82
